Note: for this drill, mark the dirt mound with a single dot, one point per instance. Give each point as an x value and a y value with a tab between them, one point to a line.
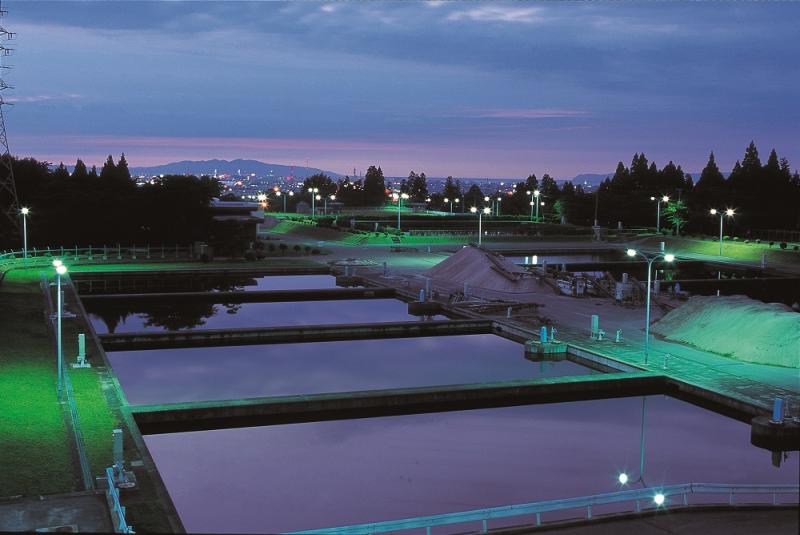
736	326
482	269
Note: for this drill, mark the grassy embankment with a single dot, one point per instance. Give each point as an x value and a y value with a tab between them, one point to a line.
731	250
35	455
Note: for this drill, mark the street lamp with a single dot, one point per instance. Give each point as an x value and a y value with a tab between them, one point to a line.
650	259
25	211
729	212
262	198
498	206
480	213
458	200
314	197
333	198
536	193
446	200
399	198
61	269
665	200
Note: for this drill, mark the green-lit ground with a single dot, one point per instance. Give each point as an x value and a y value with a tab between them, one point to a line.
35	455
35	451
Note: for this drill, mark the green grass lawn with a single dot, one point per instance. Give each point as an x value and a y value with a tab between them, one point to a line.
34	453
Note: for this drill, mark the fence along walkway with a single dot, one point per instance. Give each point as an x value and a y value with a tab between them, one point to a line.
650	497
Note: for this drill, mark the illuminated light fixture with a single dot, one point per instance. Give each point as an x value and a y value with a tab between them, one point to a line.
57	263
659	499
623	478
25	211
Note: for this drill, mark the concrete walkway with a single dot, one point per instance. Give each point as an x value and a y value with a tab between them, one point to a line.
700	521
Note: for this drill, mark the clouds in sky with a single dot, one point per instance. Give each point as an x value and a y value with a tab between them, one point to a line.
530	87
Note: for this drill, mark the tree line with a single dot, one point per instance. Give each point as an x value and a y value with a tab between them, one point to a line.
87	207
764	196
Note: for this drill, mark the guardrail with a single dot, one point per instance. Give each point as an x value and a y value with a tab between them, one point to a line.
117	509
649	495
43	256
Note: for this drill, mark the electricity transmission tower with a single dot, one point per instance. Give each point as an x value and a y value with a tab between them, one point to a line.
9	205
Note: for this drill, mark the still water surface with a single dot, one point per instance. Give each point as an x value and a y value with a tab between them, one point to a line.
164	317
315	475
174	375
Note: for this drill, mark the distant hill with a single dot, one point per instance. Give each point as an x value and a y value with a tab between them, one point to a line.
233	167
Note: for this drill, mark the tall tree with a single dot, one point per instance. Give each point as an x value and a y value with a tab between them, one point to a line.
374	186
123	173
61	172
80	172
109	170
711	177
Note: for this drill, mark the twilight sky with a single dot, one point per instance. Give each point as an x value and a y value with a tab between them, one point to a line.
472	89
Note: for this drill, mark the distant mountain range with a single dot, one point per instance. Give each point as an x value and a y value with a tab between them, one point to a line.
261	169
232	167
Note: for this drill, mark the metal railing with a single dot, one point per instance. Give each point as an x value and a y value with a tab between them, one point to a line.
117	509
42	256
536	509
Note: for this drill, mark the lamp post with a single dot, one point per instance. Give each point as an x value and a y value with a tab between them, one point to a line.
729	212
665	200
480	213
333	198
25	211
457	200
399	198
262	198
60	270
498	206
535	193
446	200
650	259
314	197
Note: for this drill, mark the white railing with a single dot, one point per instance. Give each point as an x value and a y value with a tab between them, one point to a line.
117	509
536	509
44	255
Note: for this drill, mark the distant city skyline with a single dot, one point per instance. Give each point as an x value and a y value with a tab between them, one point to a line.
474	89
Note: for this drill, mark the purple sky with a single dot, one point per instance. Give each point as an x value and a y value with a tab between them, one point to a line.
448	88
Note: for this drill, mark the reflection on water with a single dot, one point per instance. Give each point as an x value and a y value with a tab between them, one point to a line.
292	282
162	376
117	317
304	476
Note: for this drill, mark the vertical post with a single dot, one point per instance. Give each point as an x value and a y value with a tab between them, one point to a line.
658	216
428	287
466	289
58	331
720	234
595	325
537	209
647	312
543	334
641	443
399	203
421	295
480	230
777	411
24	236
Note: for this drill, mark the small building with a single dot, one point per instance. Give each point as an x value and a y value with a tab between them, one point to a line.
234	226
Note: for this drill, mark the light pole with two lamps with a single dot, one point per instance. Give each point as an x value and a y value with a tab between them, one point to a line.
314	198
399	198
535	193
480	213
279	193
650	259
333	198
61	269
729	212
665	200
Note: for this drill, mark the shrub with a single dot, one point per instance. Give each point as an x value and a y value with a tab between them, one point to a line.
747	241
783	245
726	238
796	248
271	247
308	249
758	240
249	255
315	251
736	238
771	244
283	248
296	248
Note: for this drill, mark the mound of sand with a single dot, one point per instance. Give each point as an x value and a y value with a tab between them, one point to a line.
736	326
482	269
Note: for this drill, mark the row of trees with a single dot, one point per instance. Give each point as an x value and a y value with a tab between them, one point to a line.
87	207
765	196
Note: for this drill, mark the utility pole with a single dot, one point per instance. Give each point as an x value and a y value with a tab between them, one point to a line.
9	203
